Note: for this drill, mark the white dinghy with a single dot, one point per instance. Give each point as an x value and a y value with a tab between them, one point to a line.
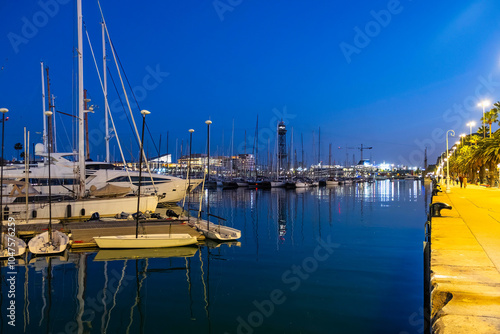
145	241
11	246
50	242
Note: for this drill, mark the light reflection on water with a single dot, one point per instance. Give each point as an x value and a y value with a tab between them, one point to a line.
370	283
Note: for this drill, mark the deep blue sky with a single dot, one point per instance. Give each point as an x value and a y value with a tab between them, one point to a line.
399	91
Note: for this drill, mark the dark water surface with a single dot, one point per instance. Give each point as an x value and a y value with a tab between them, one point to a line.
345	259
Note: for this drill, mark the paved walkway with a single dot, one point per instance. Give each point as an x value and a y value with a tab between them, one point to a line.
465	262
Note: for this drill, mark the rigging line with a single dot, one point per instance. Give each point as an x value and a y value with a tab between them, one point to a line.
118	139
110	116
121	102
126	98
64	126
132	91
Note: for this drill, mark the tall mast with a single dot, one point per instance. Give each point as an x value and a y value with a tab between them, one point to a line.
105	82
256	145
81	139
50	134
302	141
54	132
232	150
319	145
43	111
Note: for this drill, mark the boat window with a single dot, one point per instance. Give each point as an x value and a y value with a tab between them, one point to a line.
53	182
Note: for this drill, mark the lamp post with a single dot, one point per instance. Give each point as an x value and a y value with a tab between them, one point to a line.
484	104
3	111
470	125
190	157
144	113
462	136
448	162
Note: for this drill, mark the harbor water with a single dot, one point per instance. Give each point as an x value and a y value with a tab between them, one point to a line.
339	259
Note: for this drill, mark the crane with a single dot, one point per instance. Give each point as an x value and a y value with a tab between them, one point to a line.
361	148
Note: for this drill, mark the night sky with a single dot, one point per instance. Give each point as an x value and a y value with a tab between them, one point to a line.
393	75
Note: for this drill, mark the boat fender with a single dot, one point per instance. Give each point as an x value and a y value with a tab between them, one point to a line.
68	211
82	212
33	214
95	216
171	213
6	213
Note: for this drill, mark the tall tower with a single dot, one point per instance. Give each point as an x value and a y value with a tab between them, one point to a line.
282	144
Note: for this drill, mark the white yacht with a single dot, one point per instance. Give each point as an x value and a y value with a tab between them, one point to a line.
99	175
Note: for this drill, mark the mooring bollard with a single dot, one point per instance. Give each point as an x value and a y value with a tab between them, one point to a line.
437	207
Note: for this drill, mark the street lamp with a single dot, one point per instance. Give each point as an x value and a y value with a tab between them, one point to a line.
462	136
190	157
484	104
470	125
448	162
3	111
143	113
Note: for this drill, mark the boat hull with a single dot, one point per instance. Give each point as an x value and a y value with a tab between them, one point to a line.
42	245
12	246
78	209
145	241
217	232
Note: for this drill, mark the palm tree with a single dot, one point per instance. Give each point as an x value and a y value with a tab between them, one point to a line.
474	139
496	108
18	147
491	117
482	130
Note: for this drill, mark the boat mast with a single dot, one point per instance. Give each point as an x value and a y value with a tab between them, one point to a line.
43	111
81	139
105	82
54	141
49	124
256	145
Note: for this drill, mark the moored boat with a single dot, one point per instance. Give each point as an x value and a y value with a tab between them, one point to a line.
49	242
145	241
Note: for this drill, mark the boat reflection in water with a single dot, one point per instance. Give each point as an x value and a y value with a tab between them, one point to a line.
115	291
215	287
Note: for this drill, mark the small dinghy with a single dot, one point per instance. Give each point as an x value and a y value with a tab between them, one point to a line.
48	243
217	232
145	241
11	246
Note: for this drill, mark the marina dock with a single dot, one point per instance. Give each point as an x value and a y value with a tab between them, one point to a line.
82	233
465	262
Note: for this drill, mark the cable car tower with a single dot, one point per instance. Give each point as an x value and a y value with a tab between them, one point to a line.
282	145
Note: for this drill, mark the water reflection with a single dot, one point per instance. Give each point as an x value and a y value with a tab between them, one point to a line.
206	288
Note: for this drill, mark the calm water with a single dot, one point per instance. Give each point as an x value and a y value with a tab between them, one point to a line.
346	259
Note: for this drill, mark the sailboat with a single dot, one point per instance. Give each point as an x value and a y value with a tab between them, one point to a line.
48	242
211	230
11	246
143	240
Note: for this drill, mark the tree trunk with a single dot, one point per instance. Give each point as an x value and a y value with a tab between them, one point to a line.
492	174
481	174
